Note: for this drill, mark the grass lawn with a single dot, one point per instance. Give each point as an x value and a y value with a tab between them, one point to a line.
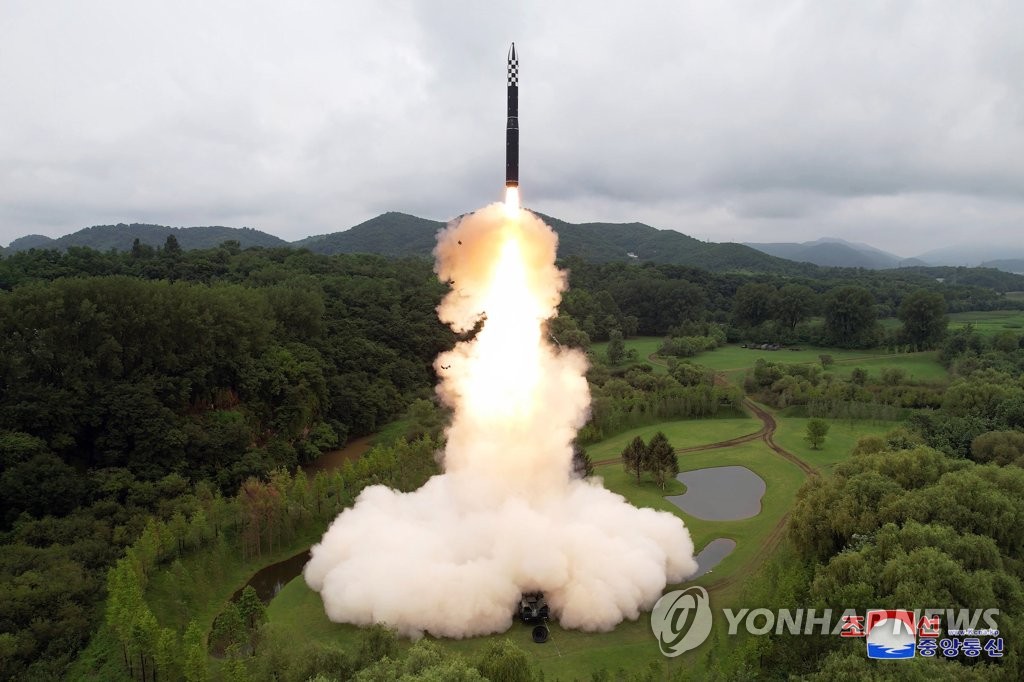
644	346
733	357
989	322
734	361
571	654
841	438
682	434
919	366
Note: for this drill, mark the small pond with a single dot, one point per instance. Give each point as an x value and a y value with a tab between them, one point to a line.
712	555
334	459
720	493
269	580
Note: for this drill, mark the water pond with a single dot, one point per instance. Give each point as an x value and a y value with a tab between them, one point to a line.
720	493
712	555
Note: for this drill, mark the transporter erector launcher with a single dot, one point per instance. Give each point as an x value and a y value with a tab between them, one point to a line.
512	124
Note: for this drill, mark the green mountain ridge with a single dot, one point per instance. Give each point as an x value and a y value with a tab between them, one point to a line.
121	237
1014	265
400	234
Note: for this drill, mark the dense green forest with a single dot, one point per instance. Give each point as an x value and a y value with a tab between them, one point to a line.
928	514
127	378
155	405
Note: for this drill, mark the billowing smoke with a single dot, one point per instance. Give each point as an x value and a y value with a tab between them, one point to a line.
453	557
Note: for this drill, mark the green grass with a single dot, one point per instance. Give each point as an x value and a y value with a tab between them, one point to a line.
989	322
734	361
571	654
645	346
733	357
918	366
841	438
682	434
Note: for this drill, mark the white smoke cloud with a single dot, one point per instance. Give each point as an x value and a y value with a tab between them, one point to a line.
453	557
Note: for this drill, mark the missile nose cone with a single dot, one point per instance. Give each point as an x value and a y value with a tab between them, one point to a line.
512	52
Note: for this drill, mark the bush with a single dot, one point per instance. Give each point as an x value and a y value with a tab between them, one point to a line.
999	447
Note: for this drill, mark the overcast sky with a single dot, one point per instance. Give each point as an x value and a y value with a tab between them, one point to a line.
899	124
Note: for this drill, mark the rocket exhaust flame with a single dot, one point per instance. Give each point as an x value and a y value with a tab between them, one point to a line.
506	517
511	202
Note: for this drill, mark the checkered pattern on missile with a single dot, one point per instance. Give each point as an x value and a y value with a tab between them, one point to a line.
513	72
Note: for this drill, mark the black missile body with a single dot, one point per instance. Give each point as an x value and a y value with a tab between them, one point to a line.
512	124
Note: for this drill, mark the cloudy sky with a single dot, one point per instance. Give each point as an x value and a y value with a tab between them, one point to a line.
900	124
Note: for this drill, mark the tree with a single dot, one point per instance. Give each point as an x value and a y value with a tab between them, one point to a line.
167	653
923	314
377	642
850	318
144	636
235	670
195	654
753	304
661	459
124	602
171	246
503	661
794	304
229	628
253	611
634	457
566	332
616	347
582	466
817	429
999	447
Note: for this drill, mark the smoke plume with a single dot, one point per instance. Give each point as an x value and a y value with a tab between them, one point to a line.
505	517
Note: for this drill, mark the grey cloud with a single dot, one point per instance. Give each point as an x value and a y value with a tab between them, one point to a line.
899	121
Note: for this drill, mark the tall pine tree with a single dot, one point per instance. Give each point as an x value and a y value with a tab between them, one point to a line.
634	457
661	459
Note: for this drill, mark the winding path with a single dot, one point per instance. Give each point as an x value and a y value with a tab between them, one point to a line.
767	434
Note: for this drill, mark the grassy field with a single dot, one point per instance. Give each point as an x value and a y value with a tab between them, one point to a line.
571	654
644	346
918	366
734	361
842	436
682	434
990	322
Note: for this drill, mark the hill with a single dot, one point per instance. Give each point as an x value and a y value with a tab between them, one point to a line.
121	237
1015	265
835	253
389	234
973	254
31	241
400	234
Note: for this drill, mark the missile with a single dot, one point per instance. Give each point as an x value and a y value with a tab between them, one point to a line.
512	124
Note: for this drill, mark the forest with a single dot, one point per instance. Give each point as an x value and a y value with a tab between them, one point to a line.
156	407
